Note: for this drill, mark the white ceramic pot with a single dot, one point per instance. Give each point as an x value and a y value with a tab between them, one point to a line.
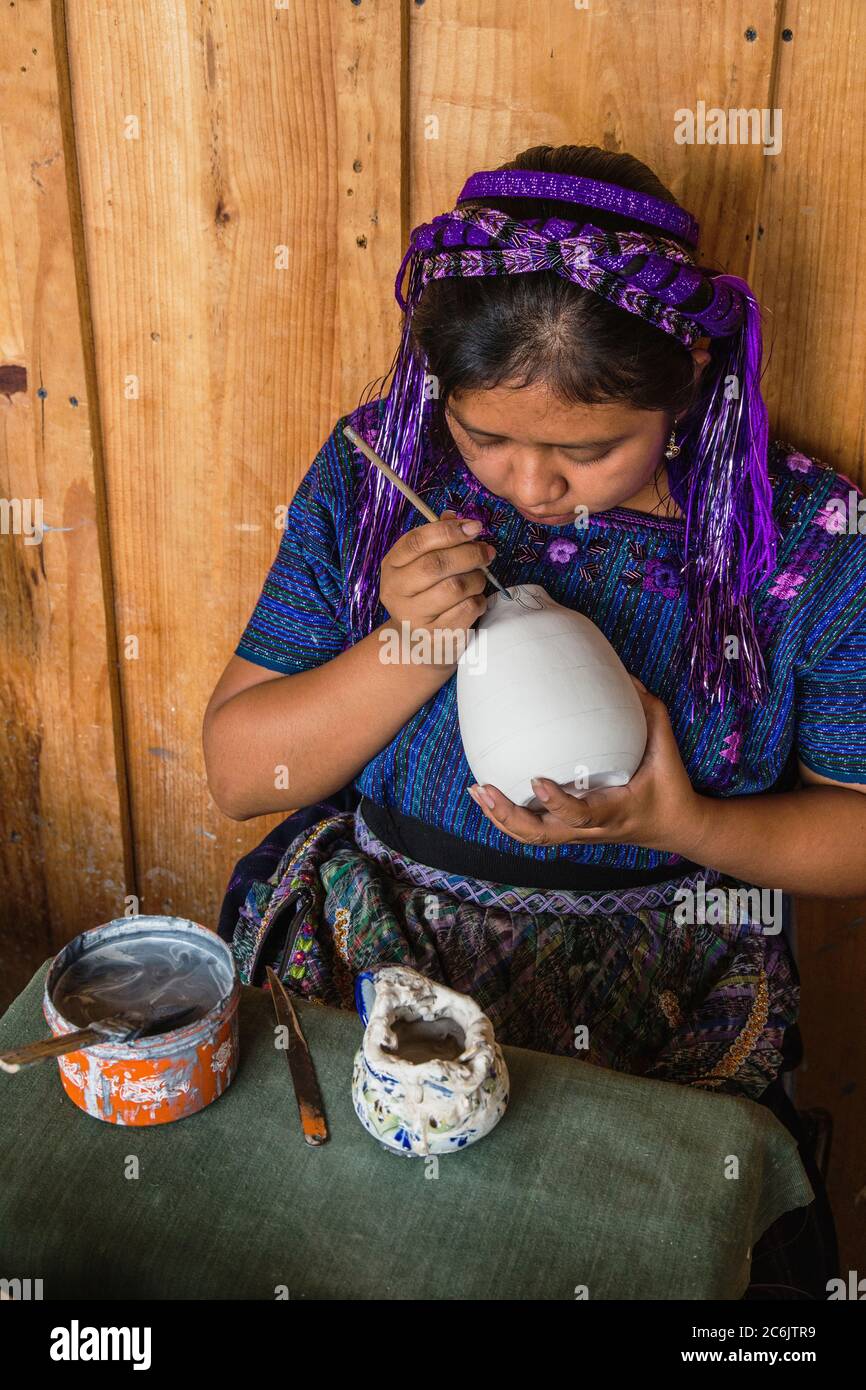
542	693
429	1077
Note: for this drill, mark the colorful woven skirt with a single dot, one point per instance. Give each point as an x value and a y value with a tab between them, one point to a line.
612	978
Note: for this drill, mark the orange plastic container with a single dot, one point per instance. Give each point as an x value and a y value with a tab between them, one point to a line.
126	966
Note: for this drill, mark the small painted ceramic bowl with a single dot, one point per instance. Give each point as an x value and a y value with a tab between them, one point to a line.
429	1077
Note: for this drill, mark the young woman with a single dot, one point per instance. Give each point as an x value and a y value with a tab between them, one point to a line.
564	355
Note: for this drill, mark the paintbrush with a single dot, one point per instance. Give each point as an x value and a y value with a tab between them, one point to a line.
114	1030
408	492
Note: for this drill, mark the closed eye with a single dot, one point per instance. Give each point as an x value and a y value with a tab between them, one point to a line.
495	443
486	444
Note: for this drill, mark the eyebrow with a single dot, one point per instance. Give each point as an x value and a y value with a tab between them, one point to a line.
583	444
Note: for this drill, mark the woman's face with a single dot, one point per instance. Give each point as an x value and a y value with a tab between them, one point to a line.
547	458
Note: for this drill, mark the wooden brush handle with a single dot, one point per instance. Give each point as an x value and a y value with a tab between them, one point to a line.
49	1047
408	492
385	468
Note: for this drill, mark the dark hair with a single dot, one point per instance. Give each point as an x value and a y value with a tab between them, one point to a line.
478	332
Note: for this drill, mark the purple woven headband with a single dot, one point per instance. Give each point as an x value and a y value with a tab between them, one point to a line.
588	193
485	241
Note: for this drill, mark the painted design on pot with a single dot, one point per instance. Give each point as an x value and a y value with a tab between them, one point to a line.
72	1070
542	693
222	1057
150	1091
429	1076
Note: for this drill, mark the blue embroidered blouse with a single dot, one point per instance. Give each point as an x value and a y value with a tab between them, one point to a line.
623	571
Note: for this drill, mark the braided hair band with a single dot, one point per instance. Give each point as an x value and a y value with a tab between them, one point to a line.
719	481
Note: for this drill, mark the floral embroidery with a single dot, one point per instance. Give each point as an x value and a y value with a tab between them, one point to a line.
787	584
560	550
474	511
302	949
747	1039
798	463
670	1007
341	930
662	577
830	518
654	575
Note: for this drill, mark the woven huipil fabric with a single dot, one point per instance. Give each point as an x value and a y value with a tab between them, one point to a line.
623	570
616	979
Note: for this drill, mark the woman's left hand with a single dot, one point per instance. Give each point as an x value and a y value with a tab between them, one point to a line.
658	809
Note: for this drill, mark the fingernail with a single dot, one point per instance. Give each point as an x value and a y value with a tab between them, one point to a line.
470	528
478	795
541	792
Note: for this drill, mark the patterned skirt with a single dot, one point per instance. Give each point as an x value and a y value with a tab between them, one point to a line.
615	978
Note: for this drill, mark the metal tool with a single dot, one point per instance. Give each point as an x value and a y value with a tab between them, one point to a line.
307	1093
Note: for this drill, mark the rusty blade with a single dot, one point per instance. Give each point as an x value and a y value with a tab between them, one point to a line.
307	1093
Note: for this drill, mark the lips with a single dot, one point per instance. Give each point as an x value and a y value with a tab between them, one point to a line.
552	518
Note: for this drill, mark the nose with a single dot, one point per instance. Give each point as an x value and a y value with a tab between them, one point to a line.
535	486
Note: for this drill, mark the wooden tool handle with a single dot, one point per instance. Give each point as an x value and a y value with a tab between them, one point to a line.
408	493
49	1047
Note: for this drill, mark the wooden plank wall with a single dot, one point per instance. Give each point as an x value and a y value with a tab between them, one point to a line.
65	843
202	213
812	230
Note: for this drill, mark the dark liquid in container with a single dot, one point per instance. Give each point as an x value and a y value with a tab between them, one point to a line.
142	978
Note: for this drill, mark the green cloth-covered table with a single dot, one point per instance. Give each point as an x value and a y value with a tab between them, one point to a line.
593	1179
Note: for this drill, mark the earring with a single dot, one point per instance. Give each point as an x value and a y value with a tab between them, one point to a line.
673	449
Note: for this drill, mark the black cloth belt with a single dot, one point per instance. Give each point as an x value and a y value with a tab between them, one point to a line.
442	850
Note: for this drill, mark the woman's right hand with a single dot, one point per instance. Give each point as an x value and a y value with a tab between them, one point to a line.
431	576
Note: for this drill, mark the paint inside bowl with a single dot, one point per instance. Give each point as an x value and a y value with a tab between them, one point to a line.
149	972
425	1040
